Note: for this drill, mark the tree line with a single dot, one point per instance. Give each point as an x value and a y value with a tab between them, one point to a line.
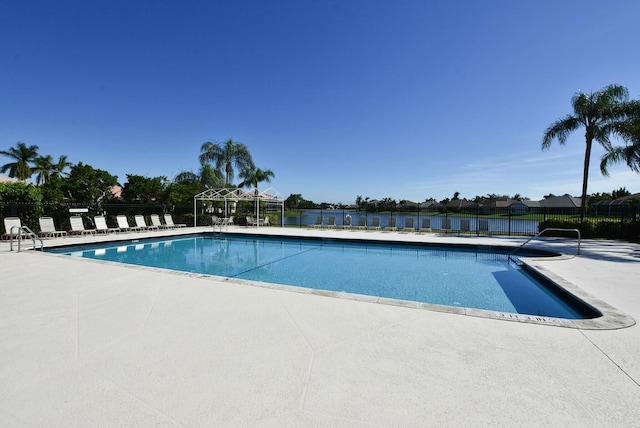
63	181
603	115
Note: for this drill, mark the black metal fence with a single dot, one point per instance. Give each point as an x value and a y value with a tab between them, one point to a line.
620	222
615	223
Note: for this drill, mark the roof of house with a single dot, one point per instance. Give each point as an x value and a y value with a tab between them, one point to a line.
5	179
564	201
431	203
626	198
461	203
502	203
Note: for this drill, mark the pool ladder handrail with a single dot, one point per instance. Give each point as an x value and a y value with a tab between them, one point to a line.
219	222
556	229
29	233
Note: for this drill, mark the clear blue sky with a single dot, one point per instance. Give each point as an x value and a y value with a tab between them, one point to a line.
400	99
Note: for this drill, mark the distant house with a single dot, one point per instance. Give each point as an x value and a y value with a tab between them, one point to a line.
533	207
502	205
116	191
407	205
564	201
556	205
634	196
430	205
462	205
5	179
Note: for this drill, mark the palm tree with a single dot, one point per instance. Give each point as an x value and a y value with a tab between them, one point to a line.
600	114
23	157
43	166
226	156
60	166
251	177
630	154
254	176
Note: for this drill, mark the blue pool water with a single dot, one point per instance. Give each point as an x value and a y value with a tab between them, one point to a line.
441	275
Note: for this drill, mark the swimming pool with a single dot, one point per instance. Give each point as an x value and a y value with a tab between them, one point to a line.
459	277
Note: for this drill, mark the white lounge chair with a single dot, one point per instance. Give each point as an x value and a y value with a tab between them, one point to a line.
48	229
318	222
102	227
331	223
362	223
15	224
142	223
391	224
347	222
426	225
168	219
375	224
77	227
446	224
408	225
123	224
155	221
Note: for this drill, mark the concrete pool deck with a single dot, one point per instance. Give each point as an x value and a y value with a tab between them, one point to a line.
86	343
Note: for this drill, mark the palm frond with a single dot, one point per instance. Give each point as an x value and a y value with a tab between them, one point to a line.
560	130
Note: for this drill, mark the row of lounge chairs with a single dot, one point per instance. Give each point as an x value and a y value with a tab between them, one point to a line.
77	224
410	224
373	225
48	228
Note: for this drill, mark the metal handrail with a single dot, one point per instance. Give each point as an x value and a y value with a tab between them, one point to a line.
30	233
545	230
219	222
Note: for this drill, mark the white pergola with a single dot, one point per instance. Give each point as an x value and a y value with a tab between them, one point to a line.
234	195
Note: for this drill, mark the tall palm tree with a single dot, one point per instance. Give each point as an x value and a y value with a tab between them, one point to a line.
24	156
599	114
226	156
254	176
43	167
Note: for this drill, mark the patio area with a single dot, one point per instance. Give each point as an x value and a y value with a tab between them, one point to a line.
87	343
